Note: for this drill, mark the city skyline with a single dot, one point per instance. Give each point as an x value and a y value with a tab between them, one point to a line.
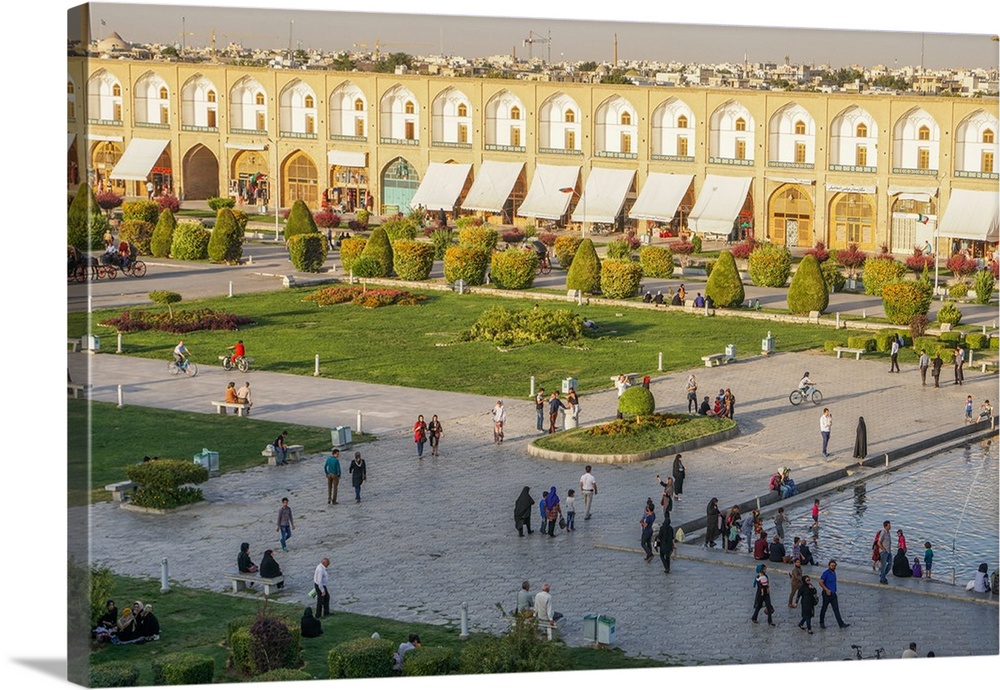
571	40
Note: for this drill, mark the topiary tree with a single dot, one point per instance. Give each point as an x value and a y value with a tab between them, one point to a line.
656	262
879	272
362	658
138	233
466	264
769	265
905	299
165	297
513	269
620	279
637	402
142	209
380	249
585	270
808	291
217	202
835	280
190	242
350	250
300	220
163	234
108	201
401	229
412	260
949	313
441	238
226	243
163	483
484	237
565	248
183	668
367	267
724	286
116	674
85	224
983	285
307	251
619	250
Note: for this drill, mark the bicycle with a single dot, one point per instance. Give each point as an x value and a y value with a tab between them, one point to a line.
229	363
879	653
544	266
811	393
186	366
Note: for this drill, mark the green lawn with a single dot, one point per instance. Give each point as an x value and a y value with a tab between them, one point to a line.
121	437
418	346
195	621
647	439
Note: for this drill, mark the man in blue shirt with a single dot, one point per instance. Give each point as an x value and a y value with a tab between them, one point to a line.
828	581
332	469
555	404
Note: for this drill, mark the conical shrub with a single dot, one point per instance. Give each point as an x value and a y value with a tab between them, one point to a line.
163	234
380	249
724	285
585	271
300	220
85	222
808	289
226	244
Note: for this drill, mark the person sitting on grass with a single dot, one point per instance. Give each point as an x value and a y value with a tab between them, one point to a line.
311	626
147	625
107	624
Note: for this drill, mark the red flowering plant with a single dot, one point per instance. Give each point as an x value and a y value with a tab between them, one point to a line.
852	259
326	219
741	251
168	201
962	266
634	242
512	236
918	262
683	250
108	201
547	238
820	252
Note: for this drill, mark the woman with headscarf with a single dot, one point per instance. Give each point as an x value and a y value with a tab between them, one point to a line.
243	562
982	581
128	630
750	523
807	598
678	473
665	539
359	473
861	440
311	626
552	510
522	512
712	522
147	625
901	564
269	567
762	595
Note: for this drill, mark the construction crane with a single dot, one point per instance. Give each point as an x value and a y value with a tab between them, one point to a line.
378	45
534	38
269	36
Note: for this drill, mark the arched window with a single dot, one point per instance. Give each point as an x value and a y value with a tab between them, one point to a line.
515	113
309	102
987	136
682	122
359	104
259	98
570	117
924	133
862	131
116	90
462	110
210	96
800	127
741	125
626	118
163	93
408	108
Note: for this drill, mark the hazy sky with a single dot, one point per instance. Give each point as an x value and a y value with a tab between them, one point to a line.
254	25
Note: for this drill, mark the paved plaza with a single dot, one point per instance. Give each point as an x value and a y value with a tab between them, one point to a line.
433	533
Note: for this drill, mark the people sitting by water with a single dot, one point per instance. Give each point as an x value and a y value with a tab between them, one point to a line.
699	301
658	299
311	626
412	643
806	554
231	393
677	300
587	323
901	564
917	570
705	409
147	625
647	297
776	551
981	583
270	568
761	549
986	412
243	562
787	487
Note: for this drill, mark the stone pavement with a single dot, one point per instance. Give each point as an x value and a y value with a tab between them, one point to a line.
431	534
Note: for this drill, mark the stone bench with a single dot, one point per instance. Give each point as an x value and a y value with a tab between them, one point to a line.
718	359
76	390
241	580
856	351
986	364
292	453
120	490
241	409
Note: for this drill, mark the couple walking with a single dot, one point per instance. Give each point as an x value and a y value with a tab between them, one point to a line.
427	433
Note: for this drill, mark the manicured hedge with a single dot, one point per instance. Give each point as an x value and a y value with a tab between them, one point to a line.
412	260
482	237
977	341
226	241
835	280
829	345
724	285
398	229
619	250
808	291
161	483
879	272
350	249
367	267
163	234
505	326
217	202
379	248
769	265
137	232
637	401
183	668
904	300
116	674
467	264
362	658
862	342
513	269
283	674
585	272
300	220
926	342
307	251
142	210
430	661
656	262
565	249
620	279
190	242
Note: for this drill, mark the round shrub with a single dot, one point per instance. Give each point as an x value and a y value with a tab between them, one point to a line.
412	260
904	300
977	341
400	229
161	483
513	269
619	250
366	267
483	237
163	234
879	272
620	279
137	232
300	220
949	313
637	401
276	644
286	674
983	285
585	272
142	209
958	290
183	668
466	264
769	265
724	285
226	242
951	338
656	262
217	202
565	249
350	249
380	249
926	342
994	342
190	242
430	661
362	216
808	290
362	658
116	674
861	342
307	251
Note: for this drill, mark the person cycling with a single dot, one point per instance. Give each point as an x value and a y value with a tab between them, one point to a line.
541	250
805	384
238	350
181	353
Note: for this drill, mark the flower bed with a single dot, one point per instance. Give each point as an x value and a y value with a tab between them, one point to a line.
370	298
178	322
626	436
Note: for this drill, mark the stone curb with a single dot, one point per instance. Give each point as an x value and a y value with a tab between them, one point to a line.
699	442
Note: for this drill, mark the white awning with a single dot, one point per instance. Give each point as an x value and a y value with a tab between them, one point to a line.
603	195
240	146
912	193
971	216
69	139
660	196
349	159
138	159
718	204
544	200
492	187
441	186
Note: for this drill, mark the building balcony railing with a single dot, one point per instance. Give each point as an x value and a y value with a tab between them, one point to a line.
915	171
251	132
198	128
399	142
616	154
975	174
790	164
854	168
672	159
505	147
346	137
748	162
297	135
452	144
561	152
153	125
106	123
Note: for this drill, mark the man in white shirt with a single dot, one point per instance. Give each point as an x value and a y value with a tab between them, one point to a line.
925	363
825	424
894	355
243	396
621	385
543	605
321	578
588	487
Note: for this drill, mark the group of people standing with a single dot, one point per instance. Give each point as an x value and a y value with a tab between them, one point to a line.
358	470
551	509
553	405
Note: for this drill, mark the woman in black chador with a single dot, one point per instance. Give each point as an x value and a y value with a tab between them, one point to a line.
269	567
861	440
711	522
522	512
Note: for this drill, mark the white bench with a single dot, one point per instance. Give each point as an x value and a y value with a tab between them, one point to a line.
241	580
120	489
241	409
718	359
986	364
75	390
292	453
856	351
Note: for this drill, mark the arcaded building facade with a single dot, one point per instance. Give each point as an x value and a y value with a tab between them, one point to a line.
794	167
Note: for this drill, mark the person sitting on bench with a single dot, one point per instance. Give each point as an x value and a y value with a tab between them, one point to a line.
269	567
243	562
231	393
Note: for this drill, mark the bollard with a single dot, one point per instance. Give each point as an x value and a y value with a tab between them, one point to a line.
659	366
579	297
838	320
121	402
316	369
532	386
886	459
351	279
864	314
119	350
164	581
249	259
359	422
90	303
464	635
230	288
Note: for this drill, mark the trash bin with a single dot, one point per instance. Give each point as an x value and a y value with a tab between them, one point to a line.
590	628
730	351
94	342
567	384
209	459
767	344
606	630
340	436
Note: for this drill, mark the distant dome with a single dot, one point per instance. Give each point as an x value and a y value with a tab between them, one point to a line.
112	42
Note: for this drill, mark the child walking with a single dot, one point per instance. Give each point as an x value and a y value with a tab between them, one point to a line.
968	410
815	511
928	559
570	510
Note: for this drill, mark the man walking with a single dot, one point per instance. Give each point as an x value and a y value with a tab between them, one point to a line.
894	355
646	540
924	364
321	578
825	424
332	470
555	404
588	487
885	551
540	409
285	524
692	391
828	581
936	365
666	539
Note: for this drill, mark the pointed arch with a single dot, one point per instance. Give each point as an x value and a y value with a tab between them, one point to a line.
200	169
248	106
451	122
916	141
348	112
792	137
557	130
399	116
976	148
300	179
731	132
199	104
297	112
505	125
104	97
616	130
790	216
151	100
673	130
853	140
